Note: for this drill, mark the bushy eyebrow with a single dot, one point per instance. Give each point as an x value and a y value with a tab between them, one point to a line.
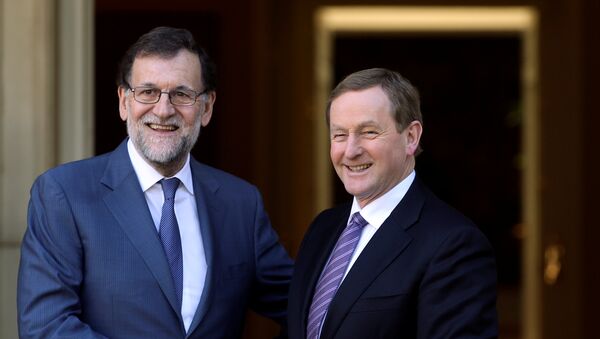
153	85
180	87
361	126
147	84
336	128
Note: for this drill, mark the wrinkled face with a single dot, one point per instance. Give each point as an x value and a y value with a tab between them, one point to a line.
164	133
368	153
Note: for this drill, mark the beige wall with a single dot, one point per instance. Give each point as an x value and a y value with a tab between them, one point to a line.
45	113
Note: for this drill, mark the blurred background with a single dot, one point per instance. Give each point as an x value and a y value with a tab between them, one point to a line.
507	89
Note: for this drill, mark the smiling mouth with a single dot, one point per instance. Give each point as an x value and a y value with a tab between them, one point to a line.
358	168
166	128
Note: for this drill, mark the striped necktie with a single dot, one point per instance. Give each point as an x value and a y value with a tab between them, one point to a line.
332	274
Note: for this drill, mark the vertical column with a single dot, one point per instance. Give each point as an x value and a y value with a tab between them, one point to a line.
27	129
46	114
75	24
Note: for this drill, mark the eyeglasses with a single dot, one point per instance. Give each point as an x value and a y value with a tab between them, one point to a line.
177	97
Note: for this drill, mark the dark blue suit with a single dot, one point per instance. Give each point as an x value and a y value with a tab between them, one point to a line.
427	273
92	264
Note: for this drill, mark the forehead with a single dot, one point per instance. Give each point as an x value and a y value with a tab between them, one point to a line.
372	103
183	69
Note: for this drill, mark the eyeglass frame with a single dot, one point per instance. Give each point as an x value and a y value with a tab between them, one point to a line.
132	89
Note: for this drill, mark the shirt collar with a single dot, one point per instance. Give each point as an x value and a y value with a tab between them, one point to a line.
148	176
377	211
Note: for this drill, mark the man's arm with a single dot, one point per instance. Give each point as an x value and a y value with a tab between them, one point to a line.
273	269
457	296
50	270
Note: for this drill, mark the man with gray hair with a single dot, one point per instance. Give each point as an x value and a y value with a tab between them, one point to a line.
145	241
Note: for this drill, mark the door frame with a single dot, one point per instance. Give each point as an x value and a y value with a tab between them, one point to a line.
521	21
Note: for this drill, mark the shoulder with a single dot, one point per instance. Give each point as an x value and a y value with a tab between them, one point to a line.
435	221
76	183
219	175
443	217
75	172
333	214
328	220
430	210
221	182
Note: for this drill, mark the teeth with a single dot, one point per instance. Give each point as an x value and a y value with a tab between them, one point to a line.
359	167
162	127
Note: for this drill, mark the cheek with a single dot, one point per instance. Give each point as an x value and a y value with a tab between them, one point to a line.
136	112
189	118
336	152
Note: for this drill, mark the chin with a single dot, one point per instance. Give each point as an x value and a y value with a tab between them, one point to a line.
353	190
162	154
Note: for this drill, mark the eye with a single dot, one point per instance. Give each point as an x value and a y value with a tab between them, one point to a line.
147	91
338	136
182	94
370	133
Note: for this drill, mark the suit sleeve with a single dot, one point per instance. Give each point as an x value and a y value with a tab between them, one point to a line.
50	270
273	269
457	297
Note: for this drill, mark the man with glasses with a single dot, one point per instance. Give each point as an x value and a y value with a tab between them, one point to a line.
146	242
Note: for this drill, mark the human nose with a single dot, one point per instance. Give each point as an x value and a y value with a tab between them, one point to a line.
353	146
164	107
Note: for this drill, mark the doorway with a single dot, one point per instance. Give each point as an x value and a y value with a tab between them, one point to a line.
475	70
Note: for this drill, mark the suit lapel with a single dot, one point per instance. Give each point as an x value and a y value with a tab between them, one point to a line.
323	240
386	245
128	205
210	214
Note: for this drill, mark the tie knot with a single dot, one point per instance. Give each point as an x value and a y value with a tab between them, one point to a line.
357	220
169	187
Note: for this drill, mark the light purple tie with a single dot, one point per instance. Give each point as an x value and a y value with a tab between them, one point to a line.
169	234
332	274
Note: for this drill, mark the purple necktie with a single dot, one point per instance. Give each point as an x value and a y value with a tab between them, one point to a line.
169	234
332	274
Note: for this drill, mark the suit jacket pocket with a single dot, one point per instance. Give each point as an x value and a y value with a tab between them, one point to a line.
381	303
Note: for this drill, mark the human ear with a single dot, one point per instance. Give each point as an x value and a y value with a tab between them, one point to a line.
207	107
413	136
122	93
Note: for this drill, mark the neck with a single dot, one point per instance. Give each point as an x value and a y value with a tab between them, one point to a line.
169	169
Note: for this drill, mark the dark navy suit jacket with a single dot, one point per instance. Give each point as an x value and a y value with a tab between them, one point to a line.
92	265
427	273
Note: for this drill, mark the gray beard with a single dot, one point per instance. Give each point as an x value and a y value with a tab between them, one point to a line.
154	149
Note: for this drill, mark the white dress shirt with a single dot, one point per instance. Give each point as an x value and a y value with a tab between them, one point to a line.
376	212
194	258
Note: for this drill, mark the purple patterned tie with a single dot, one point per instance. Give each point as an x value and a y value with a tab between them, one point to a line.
169	234
332	274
